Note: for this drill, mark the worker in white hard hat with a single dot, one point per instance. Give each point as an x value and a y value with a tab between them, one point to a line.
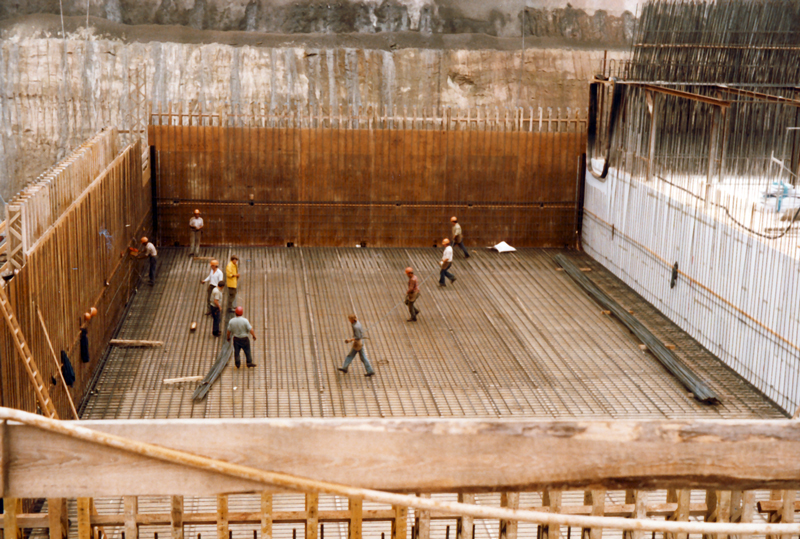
195	233
412	294
458	238
447	261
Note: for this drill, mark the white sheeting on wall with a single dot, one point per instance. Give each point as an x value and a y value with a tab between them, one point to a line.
740	295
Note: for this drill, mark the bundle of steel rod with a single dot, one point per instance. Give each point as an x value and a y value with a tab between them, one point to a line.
216	370
689	379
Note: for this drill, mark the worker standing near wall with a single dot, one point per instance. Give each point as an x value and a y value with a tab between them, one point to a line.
412	294
213	280
151	253
458	238
215	306
239	327
358	347
195	231
447	261
232	281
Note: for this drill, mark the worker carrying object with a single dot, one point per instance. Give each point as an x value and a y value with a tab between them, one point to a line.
458	238
195	233
239	327
150	252
358	347
412	294
446	262
213	280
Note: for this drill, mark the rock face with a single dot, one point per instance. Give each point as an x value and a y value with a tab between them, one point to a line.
610	23
319	57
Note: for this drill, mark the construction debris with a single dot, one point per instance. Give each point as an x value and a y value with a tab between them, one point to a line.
169	381
133	343
503	247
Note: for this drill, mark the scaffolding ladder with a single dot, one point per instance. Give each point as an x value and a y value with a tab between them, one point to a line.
39	387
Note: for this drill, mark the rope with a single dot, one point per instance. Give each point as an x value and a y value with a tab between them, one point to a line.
296	483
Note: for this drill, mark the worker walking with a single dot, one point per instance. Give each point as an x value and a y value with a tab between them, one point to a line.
150	252
412	294
458	238
232	281
215	306
239	327
195	233
447	261
213	280
358	347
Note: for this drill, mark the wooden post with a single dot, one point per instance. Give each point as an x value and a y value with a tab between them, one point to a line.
84	518
508	528
464	524
742	505
266	515
176	517
312	515
222	516
11	507
639	499
57	517
551	499
786	512
718	509
422	521
683	498
597	499
356	513
131	509
400	522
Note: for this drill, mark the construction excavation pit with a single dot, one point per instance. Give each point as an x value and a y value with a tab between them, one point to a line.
411	269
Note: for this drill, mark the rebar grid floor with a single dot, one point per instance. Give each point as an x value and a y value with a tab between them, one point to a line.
512	337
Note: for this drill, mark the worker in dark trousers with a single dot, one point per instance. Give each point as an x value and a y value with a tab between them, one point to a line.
215	306
240	327
214	278
150	252
444	265
458	237
412	294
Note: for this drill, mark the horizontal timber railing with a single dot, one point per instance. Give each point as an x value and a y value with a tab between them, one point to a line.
352	458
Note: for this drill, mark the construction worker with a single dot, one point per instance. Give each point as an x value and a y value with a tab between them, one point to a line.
215	306
412	294
458	238
213	280
149	251
239	327
195	233
447	261
232	281
358	347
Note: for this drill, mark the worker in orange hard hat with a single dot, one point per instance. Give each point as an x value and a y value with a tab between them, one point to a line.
412	294
195	233
458	238
447	261
214	278
150	252
239	327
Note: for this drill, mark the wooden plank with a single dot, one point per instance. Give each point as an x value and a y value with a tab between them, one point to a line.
422	521
57	518
539	452
85	518
131	509
508	528
222	517
11	507
355	506
639	499
399	522
596	499
312	515
266	515
176	517
465	524
552	500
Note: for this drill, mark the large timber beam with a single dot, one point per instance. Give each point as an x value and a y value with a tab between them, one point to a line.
409	455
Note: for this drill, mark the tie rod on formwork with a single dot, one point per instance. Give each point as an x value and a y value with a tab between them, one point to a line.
302	484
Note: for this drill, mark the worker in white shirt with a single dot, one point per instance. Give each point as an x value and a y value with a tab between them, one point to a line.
150	252
195	231
447	261
213	280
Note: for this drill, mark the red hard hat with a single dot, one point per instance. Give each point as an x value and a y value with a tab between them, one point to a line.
239	311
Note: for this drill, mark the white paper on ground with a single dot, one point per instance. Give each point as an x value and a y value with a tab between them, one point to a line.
503	247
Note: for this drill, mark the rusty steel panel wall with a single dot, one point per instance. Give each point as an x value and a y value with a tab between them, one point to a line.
386	187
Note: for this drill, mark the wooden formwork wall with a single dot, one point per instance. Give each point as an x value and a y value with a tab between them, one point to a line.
334	182
77	264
